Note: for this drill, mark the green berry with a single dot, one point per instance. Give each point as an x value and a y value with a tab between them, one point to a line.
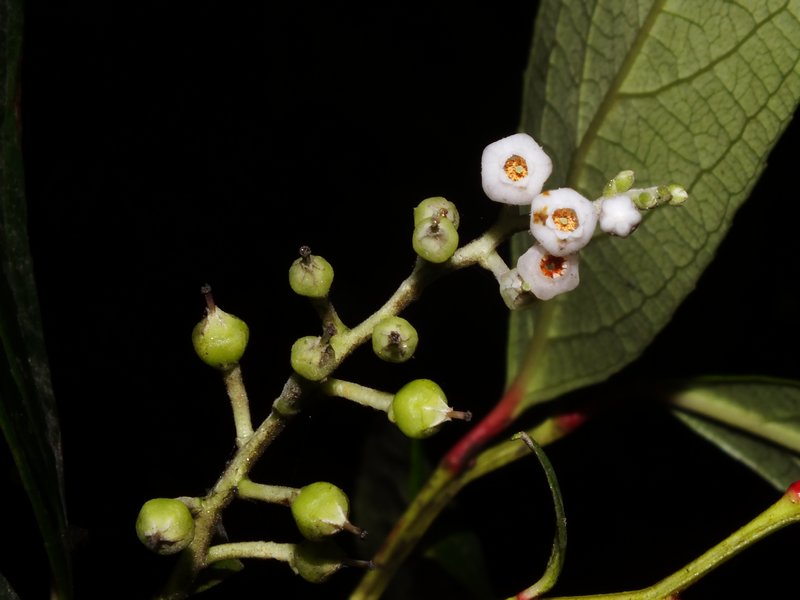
165	525
320	509
310	275
220	338
435	239
420	407
436	207
316	561
312	357
394	339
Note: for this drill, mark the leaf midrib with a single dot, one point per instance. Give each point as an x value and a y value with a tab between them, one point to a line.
579	156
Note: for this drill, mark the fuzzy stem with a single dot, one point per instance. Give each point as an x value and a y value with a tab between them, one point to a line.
287	405
494	262
274	494
262	550
363	395
234	384
328	315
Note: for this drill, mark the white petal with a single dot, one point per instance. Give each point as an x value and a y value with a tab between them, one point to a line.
536	269
562	221
507	179
619	215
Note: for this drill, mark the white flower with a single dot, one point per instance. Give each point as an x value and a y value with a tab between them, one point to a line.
619	215
562	221
514	169
548	275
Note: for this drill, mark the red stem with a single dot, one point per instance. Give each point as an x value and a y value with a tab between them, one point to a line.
498	419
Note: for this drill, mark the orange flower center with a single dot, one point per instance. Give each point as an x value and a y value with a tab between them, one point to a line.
552	266
516	168
565	219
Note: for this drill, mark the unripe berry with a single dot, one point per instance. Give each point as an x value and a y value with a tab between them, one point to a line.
394	339
165	525
436	207
420	407
435	239
310	275
316	561
312	357
220	338
320	509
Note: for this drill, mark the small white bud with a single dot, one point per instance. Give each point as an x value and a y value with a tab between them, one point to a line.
619	215
514	169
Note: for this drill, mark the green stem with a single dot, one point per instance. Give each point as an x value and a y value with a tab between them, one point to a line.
556	562
287	405
262	550
361	394
425	273
784	512
274	494
240	404
494	262
437	492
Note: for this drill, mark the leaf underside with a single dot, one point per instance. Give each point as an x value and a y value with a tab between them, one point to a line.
755	420
28	418
695	93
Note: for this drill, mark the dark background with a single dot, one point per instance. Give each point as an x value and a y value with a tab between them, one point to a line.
172	144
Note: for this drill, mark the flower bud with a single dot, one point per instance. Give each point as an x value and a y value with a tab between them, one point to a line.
312	357
436	207
394	339
320	509
420	407
435	239
622	182
316	561
619	215
220	338
310	275
165	525
678	194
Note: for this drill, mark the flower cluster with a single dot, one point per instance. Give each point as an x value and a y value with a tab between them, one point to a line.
562	221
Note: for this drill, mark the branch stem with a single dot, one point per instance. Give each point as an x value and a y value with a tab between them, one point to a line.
234	384
366	396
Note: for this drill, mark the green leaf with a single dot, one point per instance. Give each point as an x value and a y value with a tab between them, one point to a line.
556	562
6	591
695	93
27	408
756	420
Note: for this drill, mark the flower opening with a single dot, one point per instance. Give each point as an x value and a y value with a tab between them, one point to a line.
548	275
514	169
562	221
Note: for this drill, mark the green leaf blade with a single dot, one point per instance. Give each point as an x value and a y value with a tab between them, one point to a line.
28	416
678	91
756	420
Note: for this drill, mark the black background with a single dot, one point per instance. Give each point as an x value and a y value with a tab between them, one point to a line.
172	144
